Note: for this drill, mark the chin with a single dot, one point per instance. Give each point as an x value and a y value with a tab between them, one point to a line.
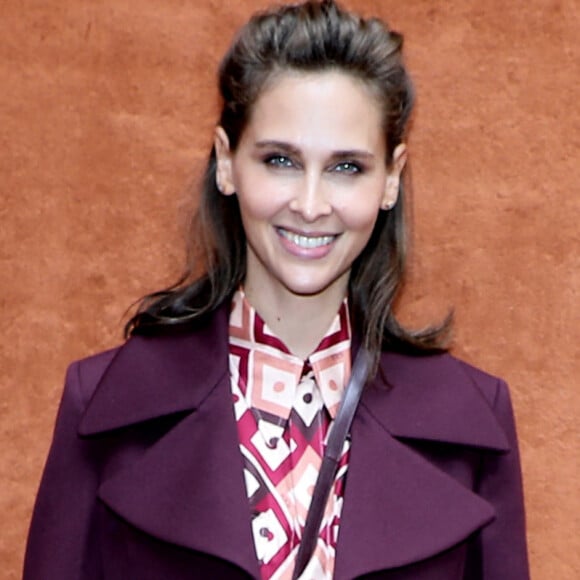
306	291
311	288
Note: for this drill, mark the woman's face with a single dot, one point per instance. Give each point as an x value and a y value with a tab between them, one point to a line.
310	175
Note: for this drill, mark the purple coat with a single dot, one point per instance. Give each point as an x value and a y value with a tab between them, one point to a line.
144	479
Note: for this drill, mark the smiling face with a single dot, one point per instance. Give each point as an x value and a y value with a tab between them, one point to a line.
310	175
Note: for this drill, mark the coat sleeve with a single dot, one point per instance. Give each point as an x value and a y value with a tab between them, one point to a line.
59	541
499	551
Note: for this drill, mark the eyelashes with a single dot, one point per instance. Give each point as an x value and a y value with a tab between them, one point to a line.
349	168
281	161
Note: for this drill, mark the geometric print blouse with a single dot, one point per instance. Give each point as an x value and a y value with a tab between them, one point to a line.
284	407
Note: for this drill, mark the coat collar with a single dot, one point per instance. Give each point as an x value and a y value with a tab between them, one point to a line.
433	398
188	487
153	377
426	398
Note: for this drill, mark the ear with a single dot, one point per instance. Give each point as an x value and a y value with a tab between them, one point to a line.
224	169
394	176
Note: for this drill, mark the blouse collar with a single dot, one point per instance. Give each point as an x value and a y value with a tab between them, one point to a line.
273	373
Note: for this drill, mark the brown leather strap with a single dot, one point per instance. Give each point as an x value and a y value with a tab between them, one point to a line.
330	460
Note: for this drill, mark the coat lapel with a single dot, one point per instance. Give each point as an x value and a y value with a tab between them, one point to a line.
399	508
188	487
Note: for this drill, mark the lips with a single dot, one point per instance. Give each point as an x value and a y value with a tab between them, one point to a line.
306	242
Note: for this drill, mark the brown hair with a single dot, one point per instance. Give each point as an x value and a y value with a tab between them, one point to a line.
312	36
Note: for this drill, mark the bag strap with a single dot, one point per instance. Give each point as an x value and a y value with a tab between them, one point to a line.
329	465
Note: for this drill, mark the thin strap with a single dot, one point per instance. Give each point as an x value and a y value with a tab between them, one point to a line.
327	472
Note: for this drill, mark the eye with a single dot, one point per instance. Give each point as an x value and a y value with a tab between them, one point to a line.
279	161
348	168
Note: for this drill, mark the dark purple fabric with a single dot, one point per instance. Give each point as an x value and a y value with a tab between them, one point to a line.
144	478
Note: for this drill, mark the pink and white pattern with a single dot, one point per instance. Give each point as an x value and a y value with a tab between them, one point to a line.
284	407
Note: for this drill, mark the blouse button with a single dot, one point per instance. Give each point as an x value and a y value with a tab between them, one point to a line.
307	398
272	443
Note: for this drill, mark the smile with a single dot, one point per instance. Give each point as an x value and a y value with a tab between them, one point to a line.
306	242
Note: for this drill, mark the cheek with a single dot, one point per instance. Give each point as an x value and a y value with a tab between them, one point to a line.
253	202
255	206
261	199
360	207
360	217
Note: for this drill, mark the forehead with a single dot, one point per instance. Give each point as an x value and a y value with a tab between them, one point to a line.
331	106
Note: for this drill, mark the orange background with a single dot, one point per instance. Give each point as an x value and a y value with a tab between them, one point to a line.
106	111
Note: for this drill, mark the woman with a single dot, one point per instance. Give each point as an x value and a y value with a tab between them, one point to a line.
193	450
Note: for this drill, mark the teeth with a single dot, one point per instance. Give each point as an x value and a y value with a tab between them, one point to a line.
306	241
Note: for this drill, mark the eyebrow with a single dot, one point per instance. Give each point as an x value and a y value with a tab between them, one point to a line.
289	148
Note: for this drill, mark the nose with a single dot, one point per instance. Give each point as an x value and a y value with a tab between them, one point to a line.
311	201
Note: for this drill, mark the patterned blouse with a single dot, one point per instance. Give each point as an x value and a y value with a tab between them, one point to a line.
284	407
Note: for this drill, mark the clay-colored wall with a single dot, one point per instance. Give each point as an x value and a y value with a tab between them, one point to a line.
106	109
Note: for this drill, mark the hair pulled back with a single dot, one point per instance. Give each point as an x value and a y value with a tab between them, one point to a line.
309	37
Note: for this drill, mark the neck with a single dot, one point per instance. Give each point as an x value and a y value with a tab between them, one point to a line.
299	321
